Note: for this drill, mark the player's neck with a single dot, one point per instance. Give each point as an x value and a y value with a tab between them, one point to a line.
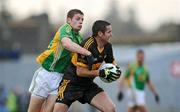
99	42
140	63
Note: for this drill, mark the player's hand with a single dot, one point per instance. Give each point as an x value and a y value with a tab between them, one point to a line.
90	61
157	99
120	96
107	74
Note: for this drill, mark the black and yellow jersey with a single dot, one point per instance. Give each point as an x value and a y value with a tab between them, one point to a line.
101	55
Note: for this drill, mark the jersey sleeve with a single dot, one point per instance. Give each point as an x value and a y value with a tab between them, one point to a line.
128	71
148	77
65	31
109	58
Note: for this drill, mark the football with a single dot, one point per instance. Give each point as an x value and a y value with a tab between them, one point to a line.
115	71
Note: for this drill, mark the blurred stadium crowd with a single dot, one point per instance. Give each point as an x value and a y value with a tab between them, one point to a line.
13	100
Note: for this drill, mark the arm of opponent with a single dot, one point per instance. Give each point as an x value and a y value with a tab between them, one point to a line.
68	44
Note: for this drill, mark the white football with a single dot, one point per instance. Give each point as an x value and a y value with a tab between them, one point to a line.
113	69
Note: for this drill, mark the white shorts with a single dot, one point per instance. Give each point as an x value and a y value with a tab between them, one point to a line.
45	83
135	97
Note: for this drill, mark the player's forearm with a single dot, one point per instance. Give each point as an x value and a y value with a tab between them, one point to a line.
122	82
84	72
73	47
152	88
78	49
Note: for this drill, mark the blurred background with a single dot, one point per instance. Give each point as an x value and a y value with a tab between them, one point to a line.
27	26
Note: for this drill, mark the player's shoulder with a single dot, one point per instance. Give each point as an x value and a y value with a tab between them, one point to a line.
108	45
88	42
65	28
132	65
145	68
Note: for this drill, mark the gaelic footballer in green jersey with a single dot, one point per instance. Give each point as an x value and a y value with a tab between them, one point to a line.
54	61
56	58
137	77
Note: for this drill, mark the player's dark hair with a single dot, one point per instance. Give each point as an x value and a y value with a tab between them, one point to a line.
72	12
140	51
99	25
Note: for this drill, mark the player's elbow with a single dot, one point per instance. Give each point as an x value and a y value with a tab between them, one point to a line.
66	43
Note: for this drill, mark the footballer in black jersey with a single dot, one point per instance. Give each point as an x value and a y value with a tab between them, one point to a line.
77	84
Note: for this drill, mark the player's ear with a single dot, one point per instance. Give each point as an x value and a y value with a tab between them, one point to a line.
100	33
68	20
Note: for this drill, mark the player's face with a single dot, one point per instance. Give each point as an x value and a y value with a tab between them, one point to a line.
76	21
107	34
140	58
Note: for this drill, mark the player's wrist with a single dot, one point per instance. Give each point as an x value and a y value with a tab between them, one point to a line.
88	53
96	73
156	97
155	94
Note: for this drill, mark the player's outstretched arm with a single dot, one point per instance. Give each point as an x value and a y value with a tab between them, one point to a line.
121	85
152	88
74	47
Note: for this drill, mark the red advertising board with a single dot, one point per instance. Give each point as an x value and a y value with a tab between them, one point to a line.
175	68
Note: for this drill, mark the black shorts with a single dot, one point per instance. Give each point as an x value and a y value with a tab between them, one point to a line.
69	92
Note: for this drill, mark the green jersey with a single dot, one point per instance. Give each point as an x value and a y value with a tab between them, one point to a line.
137	76
55	57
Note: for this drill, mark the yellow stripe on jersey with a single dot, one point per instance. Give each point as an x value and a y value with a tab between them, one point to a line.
40	59
130	78
52	48
96	66
74	58
75	62
57	49
62	88
88	43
